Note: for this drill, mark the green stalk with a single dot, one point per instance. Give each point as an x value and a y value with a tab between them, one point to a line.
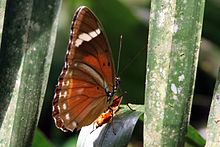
213	128
25	57
174	41
2	15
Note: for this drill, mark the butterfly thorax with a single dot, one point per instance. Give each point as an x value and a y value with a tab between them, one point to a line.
109	93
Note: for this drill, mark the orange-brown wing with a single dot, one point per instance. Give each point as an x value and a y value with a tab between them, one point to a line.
80	95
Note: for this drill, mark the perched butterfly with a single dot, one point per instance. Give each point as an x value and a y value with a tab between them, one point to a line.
88	81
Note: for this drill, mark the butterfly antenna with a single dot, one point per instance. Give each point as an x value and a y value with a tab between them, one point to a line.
131	61
119	55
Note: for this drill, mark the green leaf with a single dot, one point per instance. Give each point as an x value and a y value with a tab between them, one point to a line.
122	125
71	142
193	138
40	140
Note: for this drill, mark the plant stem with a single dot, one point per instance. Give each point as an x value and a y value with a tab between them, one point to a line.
26	53
213	129
174	41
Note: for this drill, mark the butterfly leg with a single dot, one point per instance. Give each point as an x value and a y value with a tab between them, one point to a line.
125	93
93	128
112	121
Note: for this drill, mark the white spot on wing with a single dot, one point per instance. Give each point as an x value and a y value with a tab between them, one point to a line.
60	94
78	42
58	107
71	42
75	64
65	83
74	125
98	31
93	34
67	116
85	37
65	94
64	106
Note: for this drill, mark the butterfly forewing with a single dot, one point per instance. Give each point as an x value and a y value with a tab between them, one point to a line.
80	95
91	45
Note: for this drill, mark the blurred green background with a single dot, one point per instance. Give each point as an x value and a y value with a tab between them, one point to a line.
130	18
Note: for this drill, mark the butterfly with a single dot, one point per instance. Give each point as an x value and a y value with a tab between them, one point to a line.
88	82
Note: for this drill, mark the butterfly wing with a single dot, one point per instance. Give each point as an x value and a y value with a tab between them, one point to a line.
80	95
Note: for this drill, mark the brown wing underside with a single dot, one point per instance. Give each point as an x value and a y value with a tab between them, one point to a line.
95	52
80	95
